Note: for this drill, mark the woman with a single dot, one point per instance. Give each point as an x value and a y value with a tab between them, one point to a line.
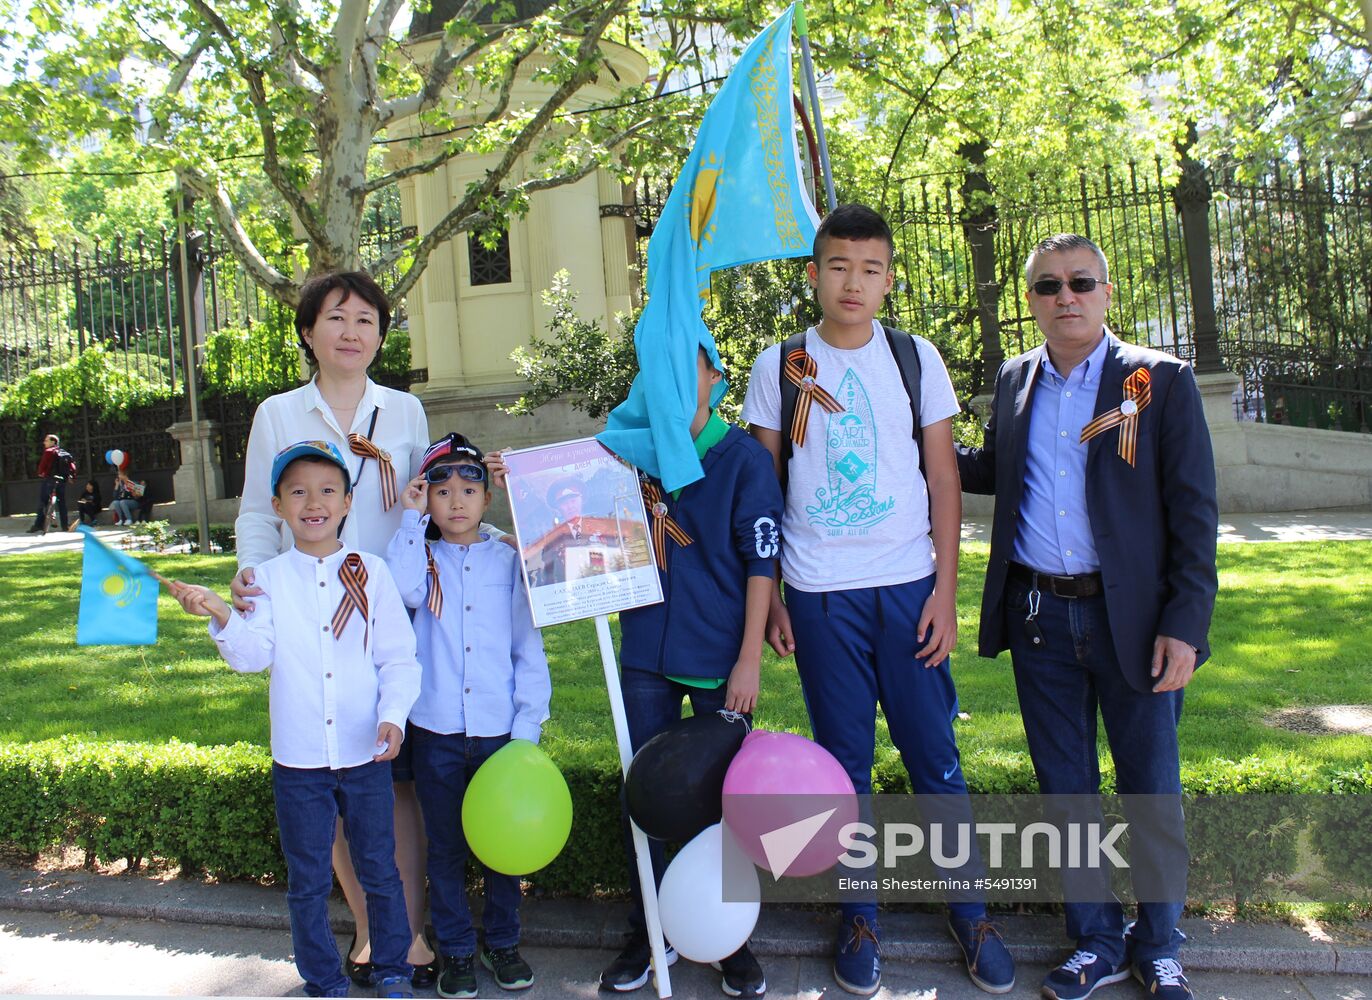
90	503
127	491
341	322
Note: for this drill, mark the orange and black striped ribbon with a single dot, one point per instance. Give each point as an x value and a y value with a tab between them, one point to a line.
663	523
390	493
801	371
353	575
435	588
1138	393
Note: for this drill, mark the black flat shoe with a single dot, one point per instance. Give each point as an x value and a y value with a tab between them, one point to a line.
426	975
358	972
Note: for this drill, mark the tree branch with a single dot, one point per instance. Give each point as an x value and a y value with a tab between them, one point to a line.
278	285
286	18
157	132
271	159
588	61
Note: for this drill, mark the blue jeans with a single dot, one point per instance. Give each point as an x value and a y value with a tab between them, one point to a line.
652	702
443	764
1060	685
855	649
308	804
125	510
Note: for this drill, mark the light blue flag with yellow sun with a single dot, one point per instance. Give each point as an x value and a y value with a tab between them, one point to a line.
738	199
118	598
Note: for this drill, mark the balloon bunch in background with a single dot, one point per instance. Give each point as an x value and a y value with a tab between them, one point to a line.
117	459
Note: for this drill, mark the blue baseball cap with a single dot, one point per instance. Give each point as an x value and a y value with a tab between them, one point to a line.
324	450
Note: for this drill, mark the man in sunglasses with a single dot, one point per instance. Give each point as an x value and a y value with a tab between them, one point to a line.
1101	583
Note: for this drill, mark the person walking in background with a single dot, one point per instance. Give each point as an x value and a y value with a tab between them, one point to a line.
55	467
1101	582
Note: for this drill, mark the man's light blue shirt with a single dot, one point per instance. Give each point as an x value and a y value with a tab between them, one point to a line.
1054	524
484	670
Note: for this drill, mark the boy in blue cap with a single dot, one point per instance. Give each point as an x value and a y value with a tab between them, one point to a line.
331	626
716	542
485	683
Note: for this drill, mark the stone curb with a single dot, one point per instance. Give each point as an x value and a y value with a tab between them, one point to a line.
587	924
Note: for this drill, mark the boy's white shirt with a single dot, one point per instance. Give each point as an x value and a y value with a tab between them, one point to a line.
857	478
484	668
328	696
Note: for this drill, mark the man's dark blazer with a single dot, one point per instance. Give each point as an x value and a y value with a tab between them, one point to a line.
1154	524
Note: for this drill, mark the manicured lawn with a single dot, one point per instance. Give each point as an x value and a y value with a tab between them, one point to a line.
1294	627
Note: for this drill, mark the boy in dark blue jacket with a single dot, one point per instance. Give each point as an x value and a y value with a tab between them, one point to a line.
717	542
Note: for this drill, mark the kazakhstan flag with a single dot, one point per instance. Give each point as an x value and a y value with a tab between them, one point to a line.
738	199
118	598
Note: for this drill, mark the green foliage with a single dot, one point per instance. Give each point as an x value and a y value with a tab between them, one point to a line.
394	357
156	535
256	360
109	382
1341	825
1292	629
580	359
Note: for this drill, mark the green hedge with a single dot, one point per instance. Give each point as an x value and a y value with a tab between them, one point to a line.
209	809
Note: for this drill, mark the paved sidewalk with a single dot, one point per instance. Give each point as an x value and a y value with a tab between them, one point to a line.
1340	524
74	932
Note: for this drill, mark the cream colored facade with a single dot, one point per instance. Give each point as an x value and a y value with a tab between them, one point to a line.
463	334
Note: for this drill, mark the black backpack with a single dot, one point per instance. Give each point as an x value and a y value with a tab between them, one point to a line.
65	468
905	352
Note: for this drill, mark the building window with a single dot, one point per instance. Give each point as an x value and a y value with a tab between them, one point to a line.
489	267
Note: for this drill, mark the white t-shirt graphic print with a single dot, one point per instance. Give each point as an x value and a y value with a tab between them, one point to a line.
857	509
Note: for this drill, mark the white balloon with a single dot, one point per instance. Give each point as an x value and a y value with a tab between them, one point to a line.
117	456
695	917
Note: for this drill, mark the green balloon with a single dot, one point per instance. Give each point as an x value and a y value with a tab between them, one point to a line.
517	813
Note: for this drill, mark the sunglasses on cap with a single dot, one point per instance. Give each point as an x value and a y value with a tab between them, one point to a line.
442	473
1051	286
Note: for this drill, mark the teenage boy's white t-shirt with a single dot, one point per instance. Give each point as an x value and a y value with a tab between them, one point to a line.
857	509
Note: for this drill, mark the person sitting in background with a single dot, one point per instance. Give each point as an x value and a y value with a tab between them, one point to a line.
127	493
90	503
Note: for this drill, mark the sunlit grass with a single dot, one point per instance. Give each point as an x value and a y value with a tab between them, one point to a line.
1294	627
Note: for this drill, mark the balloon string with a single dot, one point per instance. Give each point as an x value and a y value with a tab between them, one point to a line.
736	717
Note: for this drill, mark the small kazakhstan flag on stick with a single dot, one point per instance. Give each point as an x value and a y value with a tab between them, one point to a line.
118	597
738	199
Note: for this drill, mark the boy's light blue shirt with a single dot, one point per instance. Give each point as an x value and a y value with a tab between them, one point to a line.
484	669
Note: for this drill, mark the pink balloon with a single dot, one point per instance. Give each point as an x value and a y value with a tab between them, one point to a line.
785	800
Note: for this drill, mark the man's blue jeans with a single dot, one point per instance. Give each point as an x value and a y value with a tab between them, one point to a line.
652	702
308	804
1061	684
443	764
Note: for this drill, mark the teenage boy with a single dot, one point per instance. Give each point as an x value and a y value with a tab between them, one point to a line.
485	683
869	609
331	626
716	543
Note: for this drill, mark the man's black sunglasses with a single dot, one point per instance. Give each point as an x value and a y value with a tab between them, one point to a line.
442	473
1051	286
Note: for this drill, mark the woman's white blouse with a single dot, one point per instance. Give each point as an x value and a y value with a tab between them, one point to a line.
302	415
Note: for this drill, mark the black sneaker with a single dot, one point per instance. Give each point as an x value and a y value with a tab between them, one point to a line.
631	969
742	975
458	978
509	968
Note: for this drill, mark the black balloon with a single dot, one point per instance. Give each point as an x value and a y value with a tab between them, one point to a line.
675	784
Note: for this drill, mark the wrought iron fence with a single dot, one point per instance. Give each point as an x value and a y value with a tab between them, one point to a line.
126	298
1290	255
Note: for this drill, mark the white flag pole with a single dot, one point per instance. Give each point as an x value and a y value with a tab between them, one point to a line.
641	855
803	32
